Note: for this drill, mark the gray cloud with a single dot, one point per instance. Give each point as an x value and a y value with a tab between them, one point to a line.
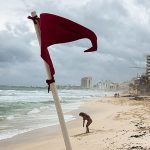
123	41
15	44
143	3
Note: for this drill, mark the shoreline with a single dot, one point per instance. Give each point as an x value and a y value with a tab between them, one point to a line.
45	131
118	123
23	112
53	126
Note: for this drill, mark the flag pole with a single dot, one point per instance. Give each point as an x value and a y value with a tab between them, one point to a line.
54	93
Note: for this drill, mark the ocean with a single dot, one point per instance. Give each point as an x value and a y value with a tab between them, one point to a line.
25	109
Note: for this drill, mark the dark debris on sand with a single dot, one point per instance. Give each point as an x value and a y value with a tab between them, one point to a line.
136	148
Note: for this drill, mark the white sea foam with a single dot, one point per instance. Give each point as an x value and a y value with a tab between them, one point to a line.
9	133
11	117
2	117
44	107
5	134
34	111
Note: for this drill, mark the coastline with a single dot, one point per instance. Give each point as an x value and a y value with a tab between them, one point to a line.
24	110
39	134
118	123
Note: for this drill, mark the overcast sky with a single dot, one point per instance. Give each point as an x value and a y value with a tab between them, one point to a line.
122	28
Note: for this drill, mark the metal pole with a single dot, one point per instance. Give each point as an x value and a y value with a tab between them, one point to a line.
55	94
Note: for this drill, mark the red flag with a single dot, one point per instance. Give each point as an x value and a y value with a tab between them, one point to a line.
56	29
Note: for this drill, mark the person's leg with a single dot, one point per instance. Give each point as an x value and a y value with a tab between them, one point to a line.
87	126
87	129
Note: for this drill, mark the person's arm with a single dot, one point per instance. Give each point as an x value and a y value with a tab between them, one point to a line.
83	122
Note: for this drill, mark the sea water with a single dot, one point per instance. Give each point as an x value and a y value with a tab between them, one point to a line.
24	109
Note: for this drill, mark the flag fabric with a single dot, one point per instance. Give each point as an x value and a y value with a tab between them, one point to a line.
56	29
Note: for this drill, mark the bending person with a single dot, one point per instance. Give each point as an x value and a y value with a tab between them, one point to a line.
86	117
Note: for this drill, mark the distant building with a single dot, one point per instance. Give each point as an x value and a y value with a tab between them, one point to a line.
86	82
106	85
142	83
148	67
68	86
142	86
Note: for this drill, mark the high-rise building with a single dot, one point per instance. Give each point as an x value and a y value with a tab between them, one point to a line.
86	82
148	67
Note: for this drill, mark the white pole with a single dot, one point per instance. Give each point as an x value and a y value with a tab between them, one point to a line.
55	94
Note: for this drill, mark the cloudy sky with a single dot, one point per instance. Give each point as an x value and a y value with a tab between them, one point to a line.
122	28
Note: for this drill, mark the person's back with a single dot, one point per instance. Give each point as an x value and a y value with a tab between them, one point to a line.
86	117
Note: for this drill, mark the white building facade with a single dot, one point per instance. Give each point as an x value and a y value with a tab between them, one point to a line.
86	82
107	85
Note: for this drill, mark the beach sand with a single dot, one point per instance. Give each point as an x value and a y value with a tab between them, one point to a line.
118	124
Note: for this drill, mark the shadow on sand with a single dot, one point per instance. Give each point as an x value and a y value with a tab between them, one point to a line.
86	134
